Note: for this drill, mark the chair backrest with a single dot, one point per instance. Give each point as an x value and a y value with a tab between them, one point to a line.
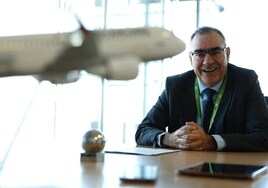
266	99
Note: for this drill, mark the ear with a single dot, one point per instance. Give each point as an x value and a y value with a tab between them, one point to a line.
191	58
228	51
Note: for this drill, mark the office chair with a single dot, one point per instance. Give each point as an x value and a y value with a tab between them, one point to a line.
266	99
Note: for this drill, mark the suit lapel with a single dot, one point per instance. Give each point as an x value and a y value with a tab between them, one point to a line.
189	104
224	104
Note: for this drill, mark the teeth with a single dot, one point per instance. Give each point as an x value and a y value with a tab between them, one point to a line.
211	70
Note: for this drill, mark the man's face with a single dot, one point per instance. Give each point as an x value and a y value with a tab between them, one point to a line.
209	57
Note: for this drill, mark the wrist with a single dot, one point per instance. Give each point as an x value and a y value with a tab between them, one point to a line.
165	139
211	143
160	139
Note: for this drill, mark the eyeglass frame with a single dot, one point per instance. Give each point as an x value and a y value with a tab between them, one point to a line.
201	54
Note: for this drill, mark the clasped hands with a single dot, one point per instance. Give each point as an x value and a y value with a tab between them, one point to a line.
189	137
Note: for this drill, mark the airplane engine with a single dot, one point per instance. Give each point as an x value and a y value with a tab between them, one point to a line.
117	68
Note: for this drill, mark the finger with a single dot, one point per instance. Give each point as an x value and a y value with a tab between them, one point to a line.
192	124
192	146
181	131
185	130
198	149
188	144
190	137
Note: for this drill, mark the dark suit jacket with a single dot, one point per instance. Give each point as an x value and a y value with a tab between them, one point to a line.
241	119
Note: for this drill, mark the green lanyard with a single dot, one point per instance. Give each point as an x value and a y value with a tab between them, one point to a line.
216	105
210	168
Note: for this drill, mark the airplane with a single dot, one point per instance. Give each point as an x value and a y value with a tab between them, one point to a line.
113	54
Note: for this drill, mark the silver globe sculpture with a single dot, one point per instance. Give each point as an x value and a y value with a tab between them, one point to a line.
93	141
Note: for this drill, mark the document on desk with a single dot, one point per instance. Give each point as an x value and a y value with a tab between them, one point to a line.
140	150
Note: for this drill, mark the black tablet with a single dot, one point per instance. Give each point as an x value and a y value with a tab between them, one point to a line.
223	170
139	173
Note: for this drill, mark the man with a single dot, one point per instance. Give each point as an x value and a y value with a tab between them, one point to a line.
239	120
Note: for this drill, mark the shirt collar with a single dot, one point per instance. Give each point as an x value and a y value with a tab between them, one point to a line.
203	86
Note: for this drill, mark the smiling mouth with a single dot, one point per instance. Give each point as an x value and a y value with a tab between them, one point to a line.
209	70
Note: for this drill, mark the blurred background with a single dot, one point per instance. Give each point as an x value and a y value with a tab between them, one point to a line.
37	116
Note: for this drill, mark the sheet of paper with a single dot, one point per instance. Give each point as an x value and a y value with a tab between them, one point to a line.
139	150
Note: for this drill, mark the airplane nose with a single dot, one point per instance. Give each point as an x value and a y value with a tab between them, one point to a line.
164	44
179	46
174	45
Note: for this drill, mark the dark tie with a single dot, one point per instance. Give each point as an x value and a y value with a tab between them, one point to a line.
208	108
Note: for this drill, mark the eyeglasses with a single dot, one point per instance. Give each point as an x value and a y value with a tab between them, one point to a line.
214	53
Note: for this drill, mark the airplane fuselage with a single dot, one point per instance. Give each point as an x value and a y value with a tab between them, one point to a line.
96	51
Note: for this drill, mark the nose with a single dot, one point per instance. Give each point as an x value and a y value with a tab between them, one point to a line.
208	59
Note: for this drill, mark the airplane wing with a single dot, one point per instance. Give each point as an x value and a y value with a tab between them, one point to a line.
113	54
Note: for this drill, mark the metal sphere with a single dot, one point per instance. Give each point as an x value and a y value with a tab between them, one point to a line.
93	141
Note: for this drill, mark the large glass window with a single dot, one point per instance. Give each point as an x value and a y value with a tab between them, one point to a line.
59	114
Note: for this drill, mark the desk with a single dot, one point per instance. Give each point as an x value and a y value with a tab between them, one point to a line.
55	170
